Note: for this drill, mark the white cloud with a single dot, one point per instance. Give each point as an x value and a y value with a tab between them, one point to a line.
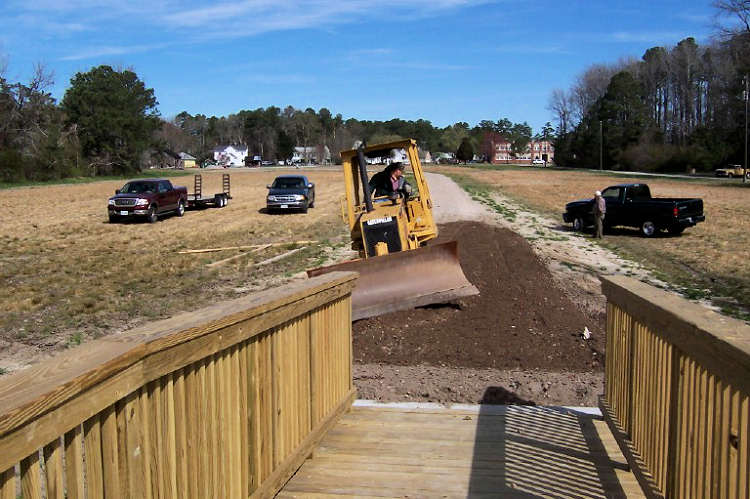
109	51
259	16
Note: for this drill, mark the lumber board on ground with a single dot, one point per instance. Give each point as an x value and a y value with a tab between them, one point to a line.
245	247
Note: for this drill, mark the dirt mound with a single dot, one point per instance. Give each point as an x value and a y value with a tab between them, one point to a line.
520	320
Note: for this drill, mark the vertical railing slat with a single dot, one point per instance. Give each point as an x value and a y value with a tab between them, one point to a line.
31	479
235	436
74	464
204	463
53	464
180	426
123	461
92	448
169	442
213	427
717	444
253	403
110	452
193	431
743	448
267	406
243	420
8	484
734	431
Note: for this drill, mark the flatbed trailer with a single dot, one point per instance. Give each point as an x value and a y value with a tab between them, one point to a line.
218	200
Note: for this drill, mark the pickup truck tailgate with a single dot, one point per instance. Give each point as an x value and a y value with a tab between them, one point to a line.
689	208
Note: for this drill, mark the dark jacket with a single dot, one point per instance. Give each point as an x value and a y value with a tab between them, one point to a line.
380	185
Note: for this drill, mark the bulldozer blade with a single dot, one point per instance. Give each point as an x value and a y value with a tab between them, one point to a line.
404	280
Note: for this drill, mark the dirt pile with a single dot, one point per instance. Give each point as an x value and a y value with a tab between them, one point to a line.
520	321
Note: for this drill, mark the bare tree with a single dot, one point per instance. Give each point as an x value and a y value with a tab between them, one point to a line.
739	10
560	103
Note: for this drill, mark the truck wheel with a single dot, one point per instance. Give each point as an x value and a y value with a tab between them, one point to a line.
578	224
180	208
648	228
225	201
112	219
152	217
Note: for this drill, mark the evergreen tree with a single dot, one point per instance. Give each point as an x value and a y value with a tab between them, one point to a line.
465	151
115	115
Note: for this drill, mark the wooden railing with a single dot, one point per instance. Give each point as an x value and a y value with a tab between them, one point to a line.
227	401
677	390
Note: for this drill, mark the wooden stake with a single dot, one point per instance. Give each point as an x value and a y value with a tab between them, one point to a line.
251	246
222	262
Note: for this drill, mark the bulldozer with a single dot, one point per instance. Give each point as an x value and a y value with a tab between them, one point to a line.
397	269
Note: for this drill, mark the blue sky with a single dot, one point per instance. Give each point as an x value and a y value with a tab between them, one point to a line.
441	60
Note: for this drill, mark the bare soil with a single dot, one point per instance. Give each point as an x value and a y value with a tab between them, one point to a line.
518	321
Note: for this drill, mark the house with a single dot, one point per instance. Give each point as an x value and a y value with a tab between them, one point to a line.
230	155
312	155
186	161
425	156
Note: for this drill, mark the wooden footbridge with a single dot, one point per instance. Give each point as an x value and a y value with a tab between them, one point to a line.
254	398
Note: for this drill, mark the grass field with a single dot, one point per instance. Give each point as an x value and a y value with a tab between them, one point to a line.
710	261
69	275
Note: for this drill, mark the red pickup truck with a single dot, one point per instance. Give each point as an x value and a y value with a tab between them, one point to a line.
147	198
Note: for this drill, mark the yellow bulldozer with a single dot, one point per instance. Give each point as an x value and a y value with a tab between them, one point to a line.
397	270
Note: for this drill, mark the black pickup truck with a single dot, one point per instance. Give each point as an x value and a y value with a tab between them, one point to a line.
631	205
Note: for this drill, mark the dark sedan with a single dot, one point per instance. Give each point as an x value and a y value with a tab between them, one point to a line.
290	192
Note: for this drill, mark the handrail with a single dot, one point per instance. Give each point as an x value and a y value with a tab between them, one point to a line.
677	391
222	402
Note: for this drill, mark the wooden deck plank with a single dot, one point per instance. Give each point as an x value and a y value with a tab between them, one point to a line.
433	453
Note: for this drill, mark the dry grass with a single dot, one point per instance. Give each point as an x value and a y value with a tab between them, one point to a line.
710	260
67	274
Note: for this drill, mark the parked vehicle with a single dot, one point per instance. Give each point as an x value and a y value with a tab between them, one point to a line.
631	205
538	161
731	171
290	192
147	198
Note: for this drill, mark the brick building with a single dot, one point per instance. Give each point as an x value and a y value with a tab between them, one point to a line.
498	151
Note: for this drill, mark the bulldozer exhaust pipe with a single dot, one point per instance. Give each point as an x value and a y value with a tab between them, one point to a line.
405	280
362	164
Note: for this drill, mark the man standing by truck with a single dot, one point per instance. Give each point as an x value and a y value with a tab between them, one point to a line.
600	209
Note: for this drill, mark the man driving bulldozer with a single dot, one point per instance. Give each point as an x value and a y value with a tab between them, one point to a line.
390	182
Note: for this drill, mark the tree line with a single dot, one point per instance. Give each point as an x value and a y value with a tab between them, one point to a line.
676	109
108	123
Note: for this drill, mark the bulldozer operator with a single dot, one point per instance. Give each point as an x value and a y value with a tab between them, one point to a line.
390	183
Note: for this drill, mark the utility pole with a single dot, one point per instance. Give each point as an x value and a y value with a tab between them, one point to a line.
601	147
744	165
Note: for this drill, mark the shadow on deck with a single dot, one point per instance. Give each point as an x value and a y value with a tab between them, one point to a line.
423	450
